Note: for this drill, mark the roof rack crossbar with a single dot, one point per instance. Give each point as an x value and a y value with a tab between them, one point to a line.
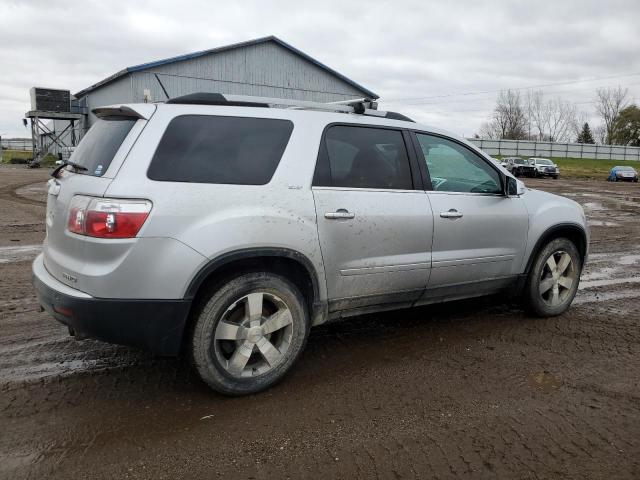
363	106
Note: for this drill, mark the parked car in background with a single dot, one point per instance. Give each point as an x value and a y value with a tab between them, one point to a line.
623	174
519	167
544	167
221	227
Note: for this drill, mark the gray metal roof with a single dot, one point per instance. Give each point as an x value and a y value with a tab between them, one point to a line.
271	38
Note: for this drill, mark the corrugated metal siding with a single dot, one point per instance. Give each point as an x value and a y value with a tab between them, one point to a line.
265	69
118	91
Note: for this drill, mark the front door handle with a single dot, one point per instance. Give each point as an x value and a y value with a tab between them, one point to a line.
452	213
340	214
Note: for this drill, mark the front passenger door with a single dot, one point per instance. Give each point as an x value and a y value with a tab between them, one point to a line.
479	233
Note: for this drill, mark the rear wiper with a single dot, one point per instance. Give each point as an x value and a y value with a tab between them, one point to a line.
77	166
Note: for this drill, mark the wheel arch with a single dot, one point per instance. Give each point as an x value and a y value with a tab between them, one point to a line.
291	264
574	232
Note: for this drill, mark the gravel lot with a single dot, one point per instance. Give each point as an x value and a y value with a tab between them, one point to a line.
473	389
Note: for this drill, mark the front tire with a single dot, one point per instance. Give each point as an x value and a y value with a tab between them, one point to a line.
249	333
553	280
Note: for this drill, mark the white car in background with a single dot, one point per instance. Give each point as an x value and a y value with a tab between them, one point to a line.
545	167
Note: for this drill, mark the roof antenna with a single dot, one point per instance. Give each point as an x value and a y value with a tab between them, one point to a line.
162	86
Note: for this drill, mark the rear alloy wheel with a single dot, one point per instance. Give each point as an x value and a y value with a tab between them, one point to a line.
554	277
249	333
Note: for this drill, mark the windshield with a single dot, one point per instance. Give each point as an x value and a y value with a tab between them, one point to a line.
543	161
100	144
520	161
625	169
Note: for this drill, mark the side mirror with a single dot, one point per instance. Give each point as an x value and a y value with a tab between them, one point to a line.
513	187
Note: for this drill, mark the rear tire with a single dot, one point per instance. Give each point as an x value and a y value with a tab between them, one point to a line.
554	277
249	333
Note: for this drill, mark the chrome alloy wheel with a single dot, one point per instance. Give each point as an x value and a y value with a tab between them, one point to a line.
253	335
557	277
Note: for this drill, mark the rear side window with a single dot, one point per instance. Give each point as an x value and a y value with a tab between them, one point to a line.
100	144
363	157
210	149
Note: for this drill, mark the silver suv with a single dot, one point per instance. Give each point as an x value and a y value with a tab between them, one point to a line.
225	227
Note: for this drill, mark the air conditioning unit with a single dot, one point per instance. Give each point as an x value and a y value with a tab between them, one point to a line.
50	100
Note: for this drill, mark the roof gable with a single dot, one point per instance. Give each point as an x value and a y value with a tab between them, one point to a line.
189	56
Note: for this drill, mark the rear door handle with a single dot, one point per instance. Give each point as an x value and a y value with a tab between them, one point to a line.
452	213
340	214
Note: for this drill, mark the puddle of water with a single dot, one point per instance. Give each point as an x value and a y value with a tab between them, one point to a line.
595	297
48	369
609	281
593	206
602	223
629	259
605	272
19	254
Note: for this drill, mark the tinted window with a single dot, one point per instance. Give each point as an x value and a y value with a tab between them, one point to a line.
363	157
100	144
454	168
208	149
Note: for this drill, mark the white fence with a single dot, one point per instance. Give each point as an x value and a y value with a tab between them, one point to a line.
527	148
16	144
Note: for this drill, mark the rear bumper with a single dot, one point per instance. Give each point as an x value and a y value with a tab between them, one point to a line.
154	325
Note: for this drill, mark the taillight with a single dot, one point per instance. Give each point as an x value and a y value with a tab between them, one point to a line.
107	217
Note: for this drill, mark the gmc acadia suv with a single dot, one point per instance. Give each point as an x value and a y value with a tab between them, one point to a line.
226	226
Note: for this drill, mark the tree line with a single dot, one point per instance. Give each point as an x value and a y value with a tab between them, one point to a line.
533	117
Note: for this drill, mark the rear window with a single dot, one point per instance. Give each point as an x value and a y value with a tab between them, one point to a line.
230	150
100	144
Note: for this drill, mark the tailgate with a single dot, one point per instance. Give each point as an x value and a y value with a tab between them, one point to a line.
97	160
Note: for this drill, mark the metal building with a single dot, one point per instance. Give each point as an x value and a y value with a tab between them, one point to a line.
265	66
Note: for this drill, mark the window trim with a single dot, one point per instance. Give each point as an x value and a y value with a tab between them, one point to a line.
275	171
425	170
414	164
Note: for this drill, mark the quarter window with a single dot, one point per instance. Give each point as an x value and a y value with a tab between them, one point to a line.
454	168
210	149
363	157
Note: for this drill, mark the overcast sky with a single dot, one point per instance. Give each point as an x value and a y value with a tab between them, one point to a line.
426	59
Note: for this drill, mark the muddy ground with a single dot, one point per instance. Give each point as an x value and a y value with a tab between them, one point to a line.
474	389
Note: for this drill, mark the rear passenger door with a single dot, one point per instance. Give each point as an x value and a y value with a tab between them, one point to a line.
374	220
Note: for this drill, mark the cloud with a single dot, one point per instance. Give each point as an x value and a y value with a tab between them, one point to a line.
401	50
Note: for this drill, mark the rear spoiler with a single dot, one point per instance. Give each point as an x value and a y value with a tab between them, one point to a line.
124	112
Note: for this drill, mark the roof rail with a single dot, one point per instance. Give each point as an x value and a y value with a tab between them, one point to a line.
362	106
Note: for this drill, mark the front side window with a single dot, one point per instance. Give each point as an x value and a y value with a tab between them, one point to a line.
227	150
363	157
454	168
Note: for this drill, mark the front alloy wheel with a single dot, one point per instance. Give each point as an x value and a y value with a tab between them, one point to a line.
553	279
557	278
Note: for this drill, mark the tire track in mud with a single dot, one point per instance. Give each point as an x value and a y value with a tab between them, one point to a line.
9	192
